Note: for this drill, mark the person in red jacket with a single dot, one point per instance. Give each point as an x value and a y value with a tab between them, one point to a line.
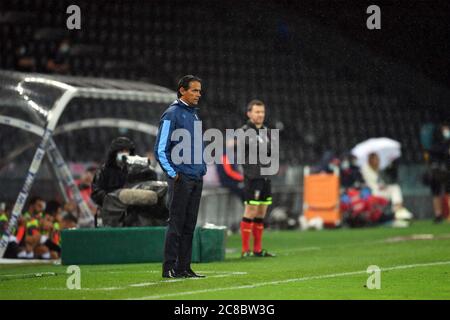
229	173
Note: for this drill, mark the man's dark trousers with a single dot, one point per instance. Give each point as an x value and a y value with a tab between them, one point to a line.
184	201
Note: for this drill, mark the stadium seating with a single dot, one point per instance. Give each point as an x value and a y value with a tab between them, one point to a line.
320	105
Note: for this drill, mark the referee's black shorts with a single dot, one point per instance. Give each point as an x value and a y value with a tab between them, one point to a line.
440	181
257	191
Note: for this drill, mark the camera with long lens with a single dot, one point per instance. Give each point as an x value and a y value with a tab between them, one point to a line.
141	201
136	161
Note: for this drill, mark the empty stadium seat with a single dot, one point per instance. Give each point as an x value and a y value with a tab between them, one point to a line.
237	60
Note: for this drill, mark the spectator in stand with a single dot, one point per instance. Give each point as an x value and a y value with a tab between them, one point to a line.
439	164
59	61
23	60
350	174
327	164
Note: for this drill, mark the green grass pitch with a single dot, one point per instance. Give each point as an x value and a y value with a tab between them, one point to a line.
330	264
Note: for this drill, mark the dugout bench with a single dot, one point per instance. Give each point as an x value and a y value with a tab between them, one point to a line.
135	245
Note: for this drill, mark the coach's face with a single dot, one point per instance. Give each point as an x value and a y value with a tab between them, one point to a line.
257	114
192	95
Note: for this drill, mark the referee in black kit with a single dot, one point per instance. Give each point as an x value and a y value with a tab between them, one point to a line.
185	179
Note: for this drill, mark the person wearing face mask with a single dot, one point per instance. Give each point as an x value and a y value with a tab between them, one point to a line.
113	174
439	165
350	174
58	62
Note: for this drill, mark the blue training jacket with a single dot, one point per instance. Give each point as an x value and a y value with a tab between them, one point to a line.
180	116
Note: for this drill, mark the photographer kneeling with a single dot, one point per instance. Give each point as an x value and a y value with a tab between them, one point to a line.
126	190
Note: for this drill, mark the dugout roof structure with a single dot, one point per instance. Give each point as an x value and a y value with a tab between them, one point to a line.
41	99
13	85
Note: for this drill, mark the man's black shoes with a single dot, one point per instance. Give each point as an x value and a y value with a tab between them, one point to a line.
438	219
191	274
171	273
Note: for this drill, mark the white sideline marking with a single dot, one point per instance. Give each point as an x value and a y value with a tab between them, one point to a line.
299	249
287	252
27	261
261	284
36	274
145	284
158	271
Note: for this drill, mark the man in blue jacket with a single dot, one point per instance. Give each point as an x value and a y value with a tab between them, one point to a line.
185	176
